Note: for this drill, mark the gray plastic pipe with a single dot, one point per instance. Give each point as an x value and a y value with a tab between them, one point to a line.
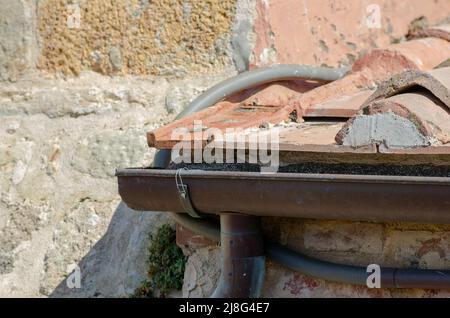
348	274
261	76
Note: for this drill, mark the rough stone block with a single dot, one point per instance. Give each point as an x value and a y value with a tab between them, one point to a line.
18	49
188	239
135	37
202	272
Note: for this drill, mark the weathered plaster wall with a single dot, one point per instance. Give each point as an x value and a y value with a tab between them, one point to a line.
177	37
333	32
61	142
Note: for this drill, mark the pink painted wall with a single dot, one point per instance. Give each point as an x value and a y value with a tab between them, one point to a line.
334	32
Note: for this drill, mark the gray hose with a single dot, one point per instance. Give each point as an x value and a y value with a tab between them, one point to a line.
320	269
261	76
338	273
248	80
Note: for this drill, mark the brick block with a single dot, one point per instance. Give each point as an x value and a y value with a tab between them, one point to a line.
332	236
187	238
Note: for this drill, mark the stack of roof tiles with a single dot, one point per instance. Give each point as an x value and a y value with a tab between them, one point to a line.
394	100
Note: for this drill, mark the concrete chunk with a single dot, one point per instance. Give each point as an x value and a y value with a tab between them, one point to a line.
388	129
403	121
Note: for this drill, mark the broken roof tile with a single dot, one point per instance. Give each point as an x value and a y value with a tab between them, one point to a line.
422	108
437	82
439	31
427	108
421	54
398	118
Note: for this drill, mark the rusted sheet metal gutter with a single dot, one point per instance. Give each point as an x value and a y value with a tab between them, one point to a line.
345	197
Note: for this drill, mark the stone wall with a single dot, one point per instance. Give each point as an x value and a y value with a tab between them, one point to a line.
18	50
61	142
135	37
81	82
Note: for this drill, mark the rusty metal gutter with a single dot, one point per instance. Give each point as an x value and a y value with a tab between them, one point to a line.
345	197
250	194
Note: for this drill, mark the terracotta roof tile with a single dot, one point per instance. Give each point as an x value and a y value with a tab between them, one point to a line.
372	68
437	82
304	137
221	116
343	106
390	115
421	54
407	120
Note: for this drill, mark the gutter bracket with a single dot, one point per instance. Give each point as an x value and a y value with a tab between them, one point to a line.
183	195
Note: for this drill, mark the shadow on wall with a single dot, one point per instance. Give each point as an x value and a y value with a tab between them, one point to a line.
116	265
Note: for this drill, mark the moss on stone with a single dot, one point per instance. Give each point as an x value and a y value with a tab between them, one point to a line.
166	264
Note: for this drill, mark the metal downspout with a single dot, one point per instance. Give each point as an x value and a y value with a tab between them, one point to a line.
242	257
